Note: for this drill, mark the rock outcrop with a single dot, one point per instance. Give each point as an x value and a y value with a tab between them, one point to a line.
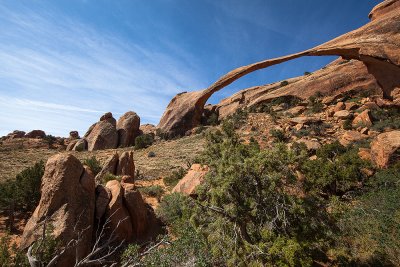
385	148
187	185
103	135
128	129
117	213
35	134
120	165
67	203
376	45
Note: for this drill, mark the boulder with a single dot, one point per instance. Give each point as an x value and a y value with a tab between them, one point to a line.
67	203
385	149
16	134
126	165
363	119
117	214
350	137
148	129
103	135
108	117
35	134
109	167
128	129
311	145
351	105
73	135
71	145
187	185
296	110
339	106
80	145
342	114
304	120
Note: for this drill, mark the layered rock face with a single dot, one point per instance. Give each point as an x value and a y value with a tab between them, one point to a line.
376	45
67	203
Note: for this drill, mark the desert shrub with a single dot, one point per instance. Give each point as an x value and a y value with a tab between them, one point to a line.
109	177
50	140
10	255
284	83
302	132
336	170
306	73
213	119
161	134
247	215
143	141
153	191
200	129
347	124
174	208
187	248
314	104
278	134
173	179
386	118
370	230
151	154
44	250
21	194
236	120
93	164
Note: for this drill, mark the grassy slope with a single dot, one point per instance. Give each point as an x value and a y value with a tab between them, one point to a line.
169	155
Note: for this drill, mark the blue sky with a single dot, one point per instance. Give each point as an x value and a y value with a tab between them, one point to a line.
63	63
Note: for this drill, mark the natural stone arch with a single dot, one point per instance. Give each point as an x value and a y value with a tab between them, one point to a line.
376	44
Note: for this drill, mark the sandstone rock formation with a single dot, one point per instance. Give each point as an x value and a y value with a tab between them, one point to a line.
375	45
117	212
109	167
385	148
187	185
35	134
128	129
73	135
103	135
80	145
126	165
363	119
67	202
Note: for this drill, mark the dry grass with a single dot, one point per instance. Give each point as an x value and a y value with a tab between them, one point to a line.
169	155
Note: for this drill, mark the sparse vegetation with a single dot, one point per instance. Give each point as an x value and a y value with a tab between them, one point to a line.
174	178
314	104
22	193
144	141
151	154
109	177
153	191
93	164
284	83
386	118
278	134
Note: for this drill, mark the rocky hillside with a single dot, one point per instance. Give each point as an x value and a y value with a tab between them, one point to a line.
274	175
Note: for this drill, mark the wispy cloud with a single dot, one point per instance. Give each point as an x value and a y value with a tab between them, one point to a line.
55	63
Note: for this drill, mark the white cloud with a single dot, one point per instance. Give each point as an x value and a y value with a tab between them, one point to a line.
53	63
